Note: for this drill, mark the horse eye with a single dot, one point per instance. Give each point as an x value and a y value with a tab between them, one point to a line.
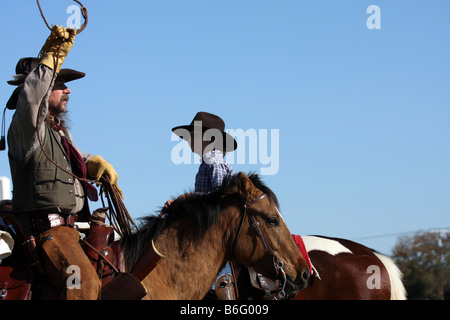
272	221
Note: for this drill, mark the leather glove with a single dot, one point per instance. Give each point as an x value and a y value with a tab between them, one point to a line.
58	44
97	167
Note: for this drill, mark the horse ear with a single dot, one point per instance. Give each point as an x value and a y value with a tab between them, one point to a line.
245	185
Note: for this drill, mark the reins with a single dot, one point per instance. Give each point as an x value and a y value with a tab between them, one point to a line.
278	264
119	217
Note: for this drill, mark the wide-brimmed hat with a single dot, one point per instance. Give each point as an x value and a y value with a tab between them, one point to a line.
23	69
205	121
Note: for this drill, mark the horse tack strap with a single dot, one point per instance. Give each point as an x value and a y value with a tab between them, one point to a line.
101	255
246	206
249	204
278	264
255	225
147	262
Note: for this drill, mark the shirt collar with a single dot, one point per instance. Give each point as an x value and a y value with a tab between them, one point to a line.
215	156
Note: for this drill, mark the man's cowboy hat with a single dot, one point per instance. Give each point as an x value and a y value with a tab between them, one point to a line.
24	67
205	121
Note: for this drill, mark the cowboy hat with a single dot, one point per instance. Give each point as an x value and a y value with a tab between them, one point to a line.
24	67
206	121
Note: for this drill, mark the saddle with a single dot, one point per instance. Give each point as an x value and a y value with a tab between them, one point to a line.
100	247
104	253
15	273
21	271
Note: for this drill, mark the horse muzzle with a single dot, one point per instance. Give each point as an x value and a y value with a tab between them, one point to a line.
297	284
293	286
290	286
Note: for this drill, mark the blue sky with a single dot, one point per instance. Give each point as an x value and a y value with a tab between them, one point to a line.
362	114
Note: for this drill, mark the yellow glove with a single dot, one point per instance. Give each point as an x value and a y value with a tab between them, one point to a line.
58	44
97	167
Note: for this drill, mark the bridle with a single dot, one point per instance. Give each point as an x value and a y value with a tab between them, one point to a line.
278	264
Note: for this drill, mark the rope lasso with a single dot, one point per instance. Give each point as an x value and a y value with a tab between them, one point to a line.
85	15
84	12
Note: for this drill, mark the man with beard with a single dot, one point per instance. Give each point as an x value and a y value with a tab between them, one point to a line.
45	164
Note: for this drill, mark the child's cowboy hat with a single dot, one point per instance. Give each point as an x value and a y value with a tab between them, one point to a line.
205	121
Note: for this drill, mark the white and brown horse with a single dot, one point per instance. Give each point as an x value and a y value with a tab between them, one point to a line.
343	270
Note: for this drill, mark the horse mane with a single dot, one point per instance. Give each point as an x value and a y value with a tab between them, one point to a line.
203	209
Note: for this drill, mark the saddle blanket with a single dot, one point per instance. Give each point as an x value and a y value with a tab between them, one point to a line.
299	241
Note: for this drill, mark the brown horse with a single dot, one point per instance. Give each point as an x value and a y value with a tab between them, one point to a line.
346	270
198	234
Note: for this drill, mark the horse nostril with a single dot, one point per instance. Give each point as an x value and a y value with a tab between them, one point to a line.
302	279
305	275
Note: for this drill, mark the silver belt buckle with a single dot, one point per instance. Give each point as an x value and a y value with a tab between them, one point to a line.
55	220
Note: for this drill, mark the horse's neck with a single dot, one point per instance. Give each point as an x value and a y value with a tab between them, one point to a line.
189	268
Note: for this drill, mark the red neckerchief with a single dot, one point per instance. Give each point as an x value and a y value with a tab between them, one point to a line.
79	167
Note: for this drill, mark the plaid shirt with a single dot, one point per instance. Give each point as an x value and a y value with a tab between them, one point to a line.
212	172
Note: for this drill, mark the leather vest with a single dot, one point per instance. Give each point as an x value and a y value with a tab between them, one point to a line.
38	184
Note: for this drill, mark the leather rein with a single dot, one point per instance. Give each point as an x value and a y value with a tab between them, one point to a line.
278	264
